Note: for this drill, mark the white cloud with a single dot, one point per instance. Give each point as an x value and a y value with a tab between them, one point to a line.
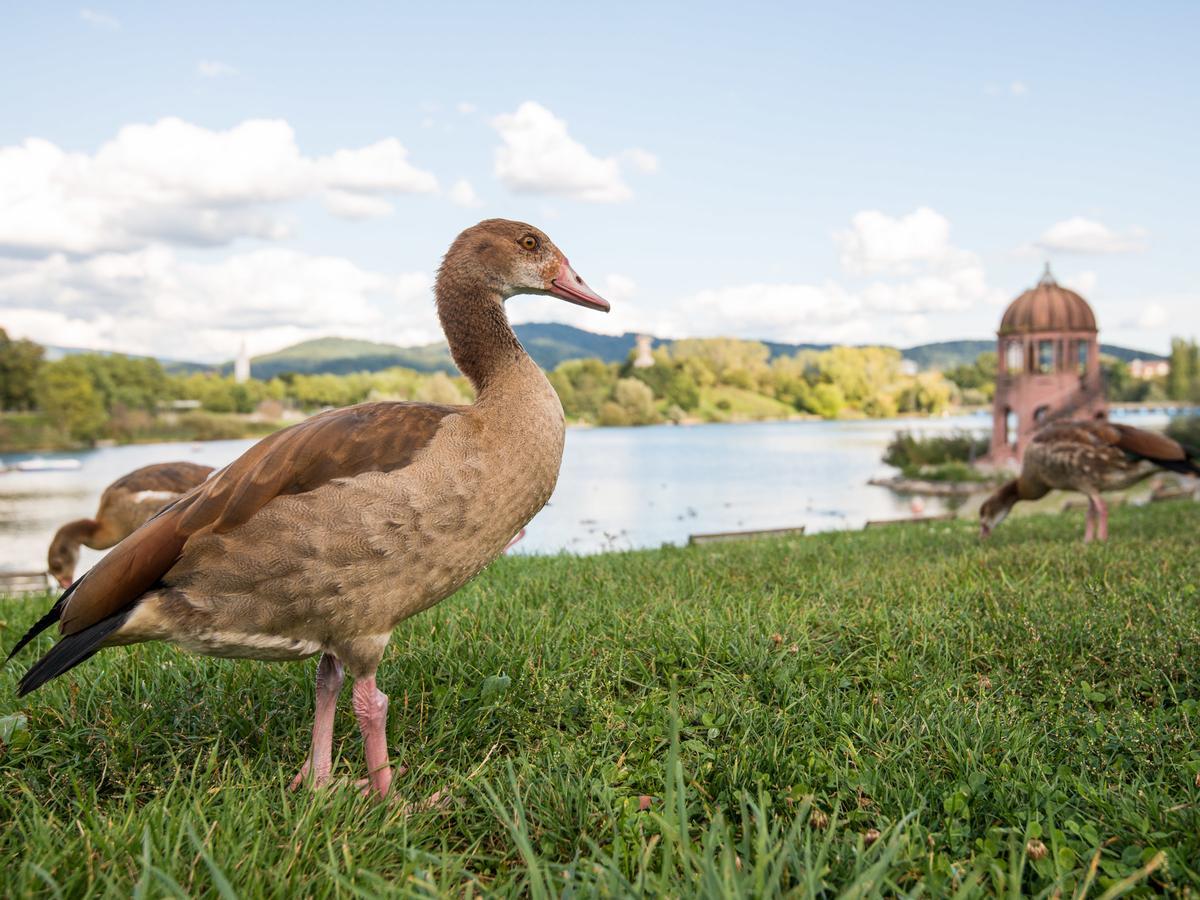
876	242
788	312
920	283
465	108
538	156
618	288
178	182
382	167
1081	235
101	20
1153	316
346	205
1018	88
153	302
960	289
642	160
1081	282
462	194
214	68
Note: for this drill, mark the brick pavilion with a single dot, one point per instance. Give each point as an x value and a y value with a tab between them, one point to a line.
1049	367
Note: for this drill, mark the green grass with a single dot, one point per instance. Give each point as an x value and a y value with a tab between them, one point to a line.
961	699
724	403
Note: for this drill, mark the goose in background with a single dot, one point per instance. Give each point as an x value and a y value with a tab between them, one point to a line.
124	507
1090	457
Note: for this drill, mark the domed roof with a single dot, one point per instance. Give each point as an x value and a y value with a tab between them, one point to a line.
1048	307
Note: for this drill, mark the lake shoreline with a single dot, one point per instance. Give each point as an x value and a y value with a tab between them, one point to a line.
204	427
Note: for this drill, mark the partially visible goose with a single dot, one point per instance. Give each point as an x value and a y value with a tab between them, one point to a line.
1089	457
125	506
323	537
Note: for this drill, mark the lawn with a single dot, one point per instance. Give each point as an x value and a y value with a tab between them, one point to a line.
893	711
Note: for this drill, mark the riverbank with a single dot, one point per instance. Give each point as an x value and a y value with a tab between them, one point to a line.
970	703
36	433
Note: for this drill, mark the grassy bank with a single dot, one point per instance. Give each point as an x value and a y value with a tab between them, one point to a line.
975	705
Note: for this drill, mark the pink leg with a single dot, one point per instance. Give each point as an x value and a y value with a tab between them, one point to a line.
1089	530
370	706
1102	513
320	758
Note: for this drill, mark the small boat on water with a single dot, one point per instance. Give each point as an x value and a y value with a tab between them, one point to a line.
41	464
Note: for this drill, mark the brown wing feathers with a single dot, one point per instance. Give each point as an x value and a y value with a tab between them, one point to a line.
342	443
1150	445
173	477
1135	443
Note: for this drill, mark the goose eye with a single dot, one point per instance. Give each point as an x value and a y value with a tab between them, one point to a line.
529	242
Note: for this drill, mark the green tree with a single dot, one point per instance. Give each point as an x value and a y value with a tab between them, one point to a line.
1183	379
20	363
637	400
67	394
440	388
826	400
583	386
977	380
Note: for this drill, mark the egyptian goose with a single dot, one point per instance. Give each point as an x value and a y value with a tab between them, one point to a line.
125	506
324	536
1089	457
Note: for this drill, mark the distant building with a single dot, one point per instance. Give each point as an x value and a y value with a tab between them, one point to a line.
644	358
241	367
909	367
1049	366
1146	369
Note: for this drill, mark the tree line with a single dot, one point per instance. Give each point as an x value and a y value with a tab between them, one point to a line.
88	397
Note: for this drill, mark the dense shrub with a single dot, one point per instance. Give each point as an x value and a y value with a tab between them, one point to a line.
911	453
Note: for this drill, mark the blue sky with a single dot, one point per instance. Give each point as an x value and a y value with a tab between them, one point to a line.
174	181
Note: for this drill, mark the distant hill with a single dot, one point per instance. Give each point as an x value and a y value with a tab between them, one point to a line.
549	343
53	353
947	354
341	356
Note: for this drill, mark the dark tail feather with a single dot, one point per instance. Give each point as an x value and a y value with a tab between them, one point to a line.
45	621
1182	466
70	652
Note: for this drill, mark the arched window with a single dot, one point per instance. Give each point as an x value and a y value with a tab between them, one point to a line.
1045	357
1012	427
1015	357
1040	415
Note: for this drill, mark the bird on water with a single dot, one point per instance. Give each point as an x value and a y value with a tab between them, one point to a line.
323	537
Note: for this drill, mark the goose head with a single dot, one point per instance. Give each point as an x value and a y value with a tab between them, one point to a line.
507	258
63	558
996	507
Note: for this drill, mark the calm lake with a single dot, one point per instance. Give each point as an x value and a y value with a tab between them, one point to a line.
620	488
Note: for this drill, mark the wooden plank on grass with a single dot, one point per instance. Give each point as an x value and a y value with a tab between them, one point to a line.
911	520
12	583
718	537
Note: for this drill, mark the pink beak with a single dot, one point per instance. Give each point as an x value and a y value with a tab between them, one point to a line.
64	581
570	287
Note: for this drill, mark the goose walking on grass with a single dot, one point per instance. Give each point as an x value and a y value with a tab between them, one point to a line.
125	506
1089	457
323	537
